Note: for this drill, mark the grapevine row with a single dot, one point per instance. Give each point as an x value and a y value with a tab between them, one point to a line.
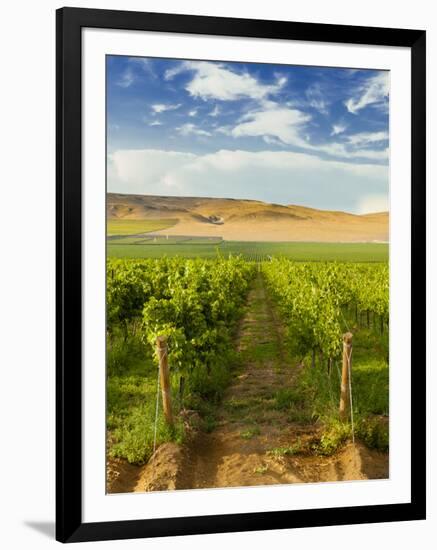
315	297
193	302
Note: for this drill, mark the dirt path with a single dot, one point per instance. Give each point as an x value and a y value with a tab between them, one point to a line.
248	426
256	438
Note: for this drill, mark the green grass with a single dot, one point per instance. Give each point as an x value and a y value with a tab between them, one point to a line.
131	401
290	450
250	432
287	398
137	227
131	398
256	251
261	469
130	239
163	240
319	394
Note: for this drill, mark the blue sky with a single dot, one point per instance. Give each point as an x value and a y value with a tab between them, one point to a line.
313	136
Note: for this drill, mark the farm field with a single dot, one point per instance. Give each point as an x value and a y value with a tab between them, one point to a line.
154	239
255	251
136	227
255	357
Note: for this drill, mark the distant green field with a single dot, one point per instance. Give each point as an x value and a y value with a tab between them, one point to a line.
154	239
256	251
137	227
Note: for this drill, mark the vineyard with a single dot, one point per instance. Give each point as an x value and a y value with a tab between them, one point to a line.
199	307
315	300
195	304
136	246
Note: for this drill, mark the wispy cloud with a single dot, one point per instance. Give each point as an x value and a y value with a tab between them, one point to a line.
193	112
273	141
169	74
316	99
215	112
155	123
162	107
191	129
217	81
287	126
374	92
144	64
127	78
339	150
136	66
367	138
278	125
281	123
338	128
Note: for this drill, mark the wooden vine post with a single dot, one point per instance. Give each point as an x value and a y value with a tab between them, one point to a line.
344	390
161	348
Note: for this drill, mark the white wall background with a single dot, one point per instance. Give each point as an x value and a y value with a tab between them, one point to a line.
27	237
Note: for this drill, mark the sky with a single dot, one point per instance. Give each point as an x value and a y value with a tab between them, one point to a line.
311	136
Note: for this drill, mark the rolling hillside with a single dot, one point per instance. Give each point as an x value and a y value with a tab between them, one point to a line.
248	220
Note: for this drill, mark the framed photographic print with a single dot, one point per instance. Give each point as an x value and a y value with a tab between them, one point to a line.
240	274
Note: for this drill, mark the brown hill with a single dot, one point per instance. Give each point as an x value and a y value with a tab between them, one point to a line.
249	220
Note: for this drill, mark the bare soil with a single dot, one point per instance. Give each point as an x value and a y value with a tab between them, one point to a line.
254	442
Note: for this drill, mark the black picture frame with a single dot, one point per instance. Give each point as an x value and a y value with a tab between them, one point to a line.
69	24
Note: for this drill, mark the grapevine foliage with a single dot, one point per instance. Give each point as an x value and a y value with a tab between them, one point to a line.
312	298
194	302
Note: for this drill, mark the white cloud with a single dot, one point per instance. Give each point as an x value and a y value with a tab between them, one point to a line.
338	129
366	138
339	150
370	154
226	130
155	123
215	112
273	141
373	92
373	203
133	72
138	170
190	129
273	176
287	126
281	123
316	99
216	81
127	78
193	112
162	107
145	64
169	74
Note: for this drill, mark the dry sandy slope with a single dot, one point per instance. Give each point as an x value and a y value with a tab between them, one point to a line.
248	220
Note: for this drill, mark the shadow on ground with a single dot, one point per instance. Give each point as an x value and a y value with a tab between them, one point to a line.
46	528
